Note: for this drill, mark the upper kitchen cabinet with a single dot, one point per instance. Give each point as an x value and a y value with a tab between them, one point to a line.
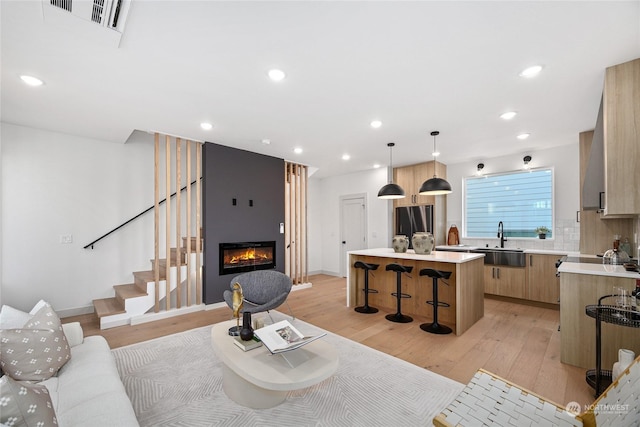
621	114
592	166
410	178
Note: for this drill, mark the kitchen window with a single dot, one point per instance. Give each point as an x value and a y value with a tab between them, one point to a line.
522	200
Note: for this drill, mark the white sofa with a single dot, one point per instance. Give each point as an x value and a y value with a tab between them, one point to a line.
87	390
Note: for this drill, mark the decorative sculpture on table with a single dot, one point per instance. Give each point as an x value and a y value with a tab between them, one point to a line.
246	333
238	301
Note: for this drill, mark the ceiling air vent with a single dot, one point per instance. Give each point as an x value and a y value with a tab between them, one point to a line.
62	4
108	13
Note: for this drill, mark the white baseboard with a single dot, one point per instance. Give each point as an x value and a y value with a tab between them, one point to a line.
325	272
301	286
150	317
75	311
215	305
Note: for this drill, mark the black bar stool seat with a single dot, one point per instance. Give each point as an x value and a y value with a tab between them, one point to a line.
435	327
366	267
399	269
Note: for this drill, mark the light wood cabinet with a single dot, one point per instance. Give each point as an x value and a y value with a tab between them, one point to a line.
542	283
505	281
596	231
410	178
622	139
578	331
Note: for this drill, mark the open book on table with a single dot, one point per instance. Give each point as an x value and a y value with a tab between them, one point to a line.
283	336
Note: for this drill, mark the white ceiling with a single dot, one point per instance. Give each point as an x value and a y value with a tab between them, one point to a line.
417	66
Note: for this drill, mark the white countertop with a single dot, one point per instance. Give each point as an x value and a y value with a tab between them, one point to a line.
551	252
464	248
435	256
457	248
597	270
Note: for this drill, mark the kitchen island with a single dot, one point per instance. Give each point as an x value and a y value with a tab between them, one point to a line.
582	284
463	291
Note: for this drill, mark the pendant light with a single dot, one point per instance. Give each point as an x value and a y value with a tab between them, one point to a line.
435	186
391	190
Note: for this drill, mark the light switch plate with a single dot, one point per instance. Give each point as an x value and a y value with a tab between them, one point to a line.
66	238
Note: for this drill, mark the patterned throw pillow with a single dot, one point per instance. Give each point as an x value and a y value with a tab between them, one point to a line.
36	351
25	404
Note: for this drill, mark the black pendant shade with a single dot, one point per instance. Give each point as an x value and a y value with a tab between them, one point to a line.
434	186
391	190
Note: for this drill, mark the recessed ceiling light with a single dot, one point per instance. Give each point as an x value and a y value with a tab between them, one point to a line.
376	124
531	71
346	157
206	126
266	141
523	136
508	115
276	75
297	150
376	166
31	81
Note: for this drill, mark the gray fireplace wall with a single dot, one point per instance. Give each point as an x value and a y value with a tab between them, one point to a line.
249	178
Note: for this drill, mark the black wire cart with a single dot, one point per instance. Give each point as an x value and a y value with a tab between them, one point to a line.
599	378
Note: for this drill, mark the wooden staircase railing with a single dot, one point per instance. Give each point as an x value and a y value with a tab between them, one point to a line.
185	253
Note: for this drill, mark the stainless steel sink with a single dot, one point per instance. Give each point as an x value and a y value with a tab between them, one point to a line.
501	256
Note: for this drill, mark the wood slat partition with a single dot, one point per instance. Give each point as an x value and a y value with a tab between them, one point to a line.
198	224
296	256
178	252
156	221
176	257
189	176
167	263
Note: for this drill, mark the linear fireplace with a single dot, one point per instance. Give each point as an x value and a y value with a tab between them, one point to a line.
247	256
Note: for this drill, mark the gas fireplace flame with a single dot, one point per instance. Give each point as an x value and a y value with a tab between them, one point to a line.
248	255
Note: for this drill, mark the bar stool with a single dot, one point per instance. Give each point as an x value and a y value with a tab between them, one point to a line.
435	327
366	267
399	269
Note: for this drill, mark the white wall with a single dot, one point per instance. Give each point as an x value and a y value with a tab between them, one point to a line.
566	164
324	216
55	184
1	215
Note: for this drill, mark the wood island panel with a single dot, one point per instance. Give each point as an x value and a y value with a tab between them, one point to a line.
463	291
578	331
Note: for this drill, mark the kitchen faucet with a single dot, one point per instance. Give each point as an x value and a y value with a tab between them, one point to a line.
501	234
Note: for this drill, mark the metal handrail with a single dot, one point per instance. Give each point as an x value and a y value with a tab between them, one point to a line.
90	245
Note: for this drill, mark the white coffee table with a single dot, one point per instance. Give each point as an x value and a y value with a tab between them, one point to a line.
257	379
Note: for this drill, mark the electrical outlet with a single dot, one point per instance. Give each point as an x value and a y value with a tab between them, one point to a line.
66	238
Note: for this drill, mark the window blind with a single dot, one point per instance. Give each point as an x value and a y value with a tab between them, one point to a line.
522	200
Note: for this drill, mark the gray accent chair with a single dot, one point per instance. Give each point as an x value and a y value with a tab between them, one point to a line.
263	290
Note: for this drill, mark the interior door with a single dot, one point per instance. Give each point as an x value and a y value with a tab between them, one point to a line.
353	221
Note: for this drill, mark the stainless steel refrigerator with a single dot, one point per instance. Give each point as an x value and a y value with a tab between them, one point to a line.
411	219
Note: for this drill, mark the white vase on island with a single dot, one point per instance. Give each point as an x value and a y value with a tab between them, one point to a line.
422	242
625	358
400	243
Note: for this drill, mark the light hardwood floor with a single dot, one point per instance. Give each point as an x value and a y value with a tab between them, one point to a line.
518	342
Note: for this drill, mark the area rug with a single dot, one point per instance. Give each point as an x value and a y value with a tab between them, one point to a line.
177	381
